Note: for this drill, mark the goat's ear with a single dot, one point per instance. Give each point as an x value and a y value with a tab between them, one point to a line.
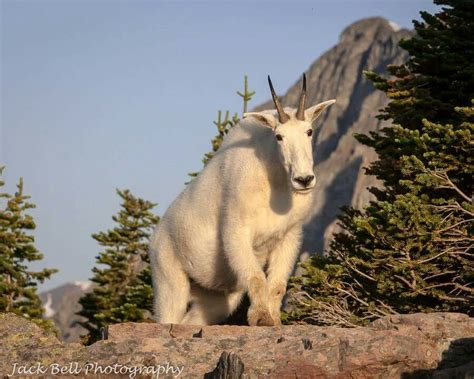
315	111
265	118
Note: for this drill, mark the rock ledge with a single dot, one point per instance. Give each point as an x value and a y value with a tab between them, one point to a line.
437	345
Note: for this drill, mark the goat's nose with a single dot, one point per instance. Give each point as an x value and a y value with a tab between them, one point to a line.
304	180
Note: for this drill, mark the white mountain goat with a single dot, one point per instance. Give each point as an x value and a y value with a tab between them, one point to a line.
236	228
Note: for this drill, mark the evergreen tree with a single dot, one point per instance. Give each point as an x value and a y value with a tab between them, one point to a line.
410	250
123	291
224	124
18	284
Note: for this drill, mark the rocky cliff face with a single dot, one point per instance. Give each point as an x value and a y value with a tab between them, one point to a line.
411	346
369	44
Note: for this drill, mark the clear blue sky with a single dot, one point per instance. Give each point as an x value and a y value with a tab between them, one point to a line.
99	95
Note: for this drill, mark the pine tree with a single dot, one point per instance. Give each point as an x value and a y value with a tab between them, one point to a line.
225	123
123	291
410	250
18	284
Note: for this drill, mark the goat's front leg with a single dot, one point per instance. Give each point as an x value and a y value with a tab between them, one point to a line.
250	275
280	266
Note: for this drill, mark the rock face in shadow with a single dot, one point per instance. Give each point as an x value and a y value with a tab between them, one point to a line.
369	44
429	345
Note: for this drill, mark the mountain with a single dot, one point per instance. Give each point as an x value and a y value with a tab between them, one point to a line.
61	305
368	44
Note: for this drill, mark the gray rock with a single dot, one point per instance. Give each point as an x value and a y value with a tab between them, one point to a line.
229	366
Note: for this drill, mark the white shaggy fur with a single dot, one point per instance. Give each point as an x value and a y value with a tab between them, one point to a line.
236	228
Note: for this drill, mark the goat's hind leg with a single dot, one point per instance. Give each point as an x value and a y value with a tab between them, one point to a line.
171	286
210	307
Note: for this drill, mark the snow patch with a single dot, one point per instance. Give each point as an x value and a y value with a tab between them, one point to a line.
395	27
48	309
83	285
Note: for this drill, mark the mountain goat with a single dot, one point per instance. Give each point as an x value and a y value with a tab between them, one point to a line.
236	228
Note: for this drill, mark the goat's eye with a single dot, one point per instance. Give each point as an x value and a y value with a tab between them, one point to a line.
279	137
309	132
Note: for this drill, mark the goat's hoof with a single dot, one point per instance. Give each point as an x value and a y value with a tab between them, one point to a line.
277	320
260	317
